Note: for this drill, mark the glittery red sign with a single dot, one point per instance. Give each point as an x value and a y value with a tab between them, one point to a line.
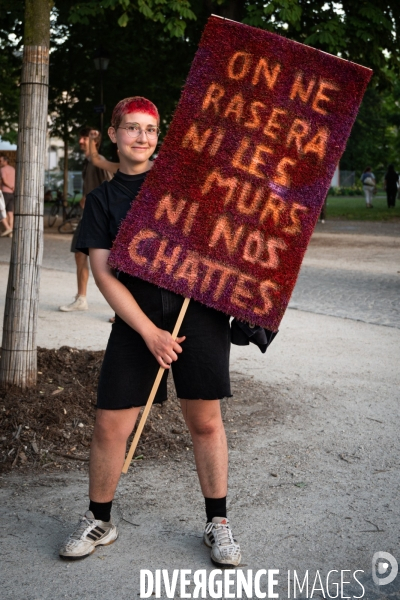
228	209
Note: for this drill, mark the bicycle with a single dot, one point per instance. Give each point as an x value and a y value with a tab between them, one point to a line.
61	204
56	197
70	225
72	217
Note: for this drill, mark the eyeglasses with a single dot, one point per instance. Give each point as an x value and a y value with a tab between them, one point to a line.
135	130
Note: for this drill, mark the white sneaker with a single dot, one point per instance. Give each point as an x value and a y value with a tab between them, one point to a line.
80	303
225	551
6	233
89	534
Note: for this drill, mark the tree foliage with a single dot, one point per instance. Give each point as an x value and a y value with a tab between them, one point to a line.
173	14
375	137
144	60
11	31
364	31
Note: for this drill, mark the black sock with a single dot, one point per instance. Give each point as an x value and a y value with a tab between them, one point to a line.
215	507
101	510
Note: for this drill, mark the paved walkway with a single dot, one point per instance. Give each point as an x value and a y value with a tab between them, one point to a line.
349	294
351	270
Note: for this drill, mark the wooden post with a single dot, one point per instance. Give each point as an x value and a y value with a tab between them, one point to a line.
153	392
18	365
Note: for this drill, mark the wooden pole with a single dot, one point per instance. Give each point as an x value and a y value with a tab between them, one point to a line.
153	392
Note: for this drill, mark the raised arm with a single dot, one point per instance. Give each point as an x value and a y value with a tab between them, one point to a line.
96	159
158	341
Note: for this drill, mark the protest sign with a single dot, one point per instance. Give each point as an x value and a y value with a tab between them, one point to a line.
228	209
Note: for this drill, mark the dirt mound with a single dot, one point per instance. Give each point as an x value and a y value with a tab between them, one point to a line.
51	425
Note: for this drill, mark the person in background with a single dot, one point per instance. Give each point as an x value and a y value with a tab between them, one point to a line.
3	217
369	182
7	175
322	214
101	163
390	185
96	159
92	177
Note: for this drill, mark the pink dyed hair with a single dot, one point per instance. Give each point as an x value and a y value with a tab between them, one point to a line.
133	104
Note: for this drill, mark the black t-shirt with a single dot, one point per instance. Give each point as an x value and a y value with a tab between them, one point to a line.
105	208
391	179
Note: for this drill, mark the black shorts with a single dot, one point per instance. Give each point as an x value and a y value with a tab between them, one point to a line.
9	201
129	369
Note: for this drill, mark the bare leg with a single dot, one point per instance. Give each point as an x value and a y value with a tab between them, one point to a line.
10	218
82	272
107	453
4	223
204	420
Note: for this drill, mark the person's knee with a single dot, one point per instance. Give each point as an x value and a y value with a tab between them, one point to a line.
81	260
108	429
207	426
206	430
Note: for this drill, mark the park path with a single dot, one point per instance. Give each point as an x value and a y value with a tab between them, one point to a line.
351	270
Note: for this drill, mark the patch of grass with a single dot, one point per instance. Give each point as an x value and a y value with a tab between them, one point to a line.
353	208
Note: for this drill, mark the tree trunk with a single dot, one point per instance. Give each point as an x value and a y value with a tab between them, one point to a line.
18	365
230	9
234	9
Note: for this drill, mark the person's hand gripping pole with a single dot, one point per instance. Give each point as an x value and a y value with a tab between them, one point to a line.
153	392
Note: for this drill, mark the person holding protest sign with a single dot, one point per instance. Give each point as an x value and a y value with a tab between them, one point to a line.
141	342
100	163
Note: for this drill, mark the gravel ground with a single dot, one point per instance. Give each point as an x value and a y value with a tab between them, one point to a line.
313	435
